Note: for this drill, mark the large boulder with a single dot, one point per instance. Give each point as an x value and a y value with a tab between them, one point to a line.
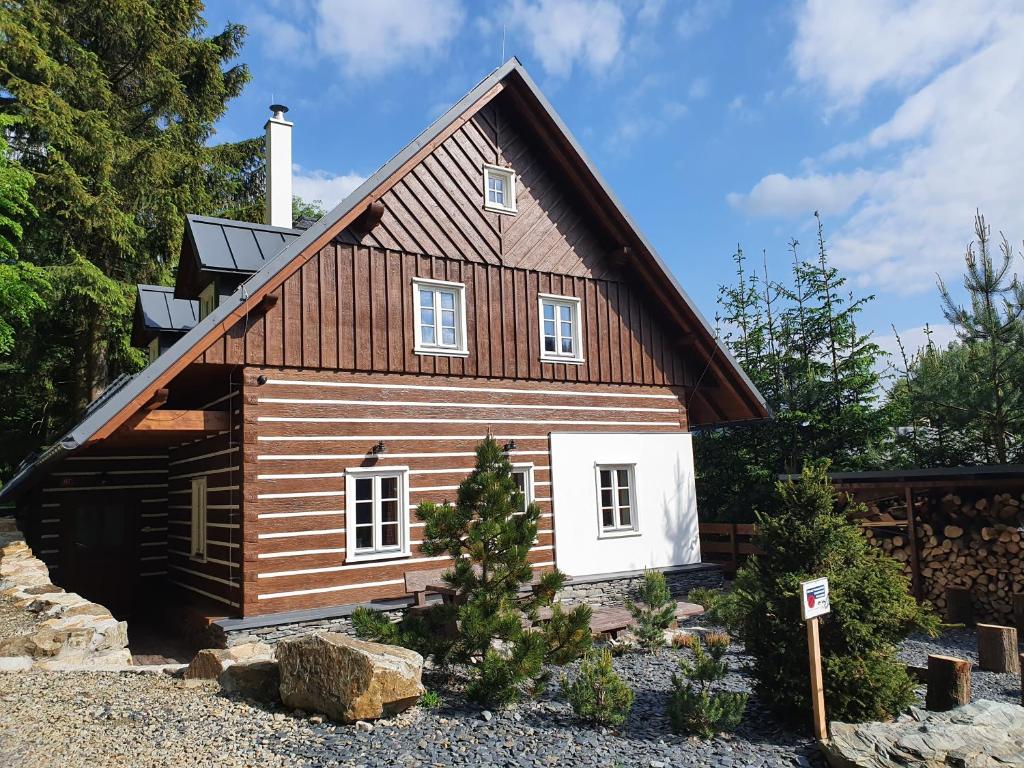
348	679
259	680
209	663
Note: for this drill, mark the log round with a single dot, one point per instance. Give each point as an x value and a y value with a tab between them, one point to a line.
997	648
949	683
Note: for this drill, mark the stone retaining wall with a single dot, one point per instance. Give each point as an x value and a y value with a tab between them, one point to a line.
63	630
596	592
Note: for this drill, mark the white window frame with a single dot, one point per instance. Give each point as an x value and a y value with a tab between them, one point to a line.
352	555
509	177
575	305
618	530
207	300
528	493
460	348
197	544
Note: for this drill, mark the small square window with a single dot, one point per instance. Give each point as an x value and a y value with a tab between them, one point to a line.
440	317
376	512
207	300
499	189
560	336
616	496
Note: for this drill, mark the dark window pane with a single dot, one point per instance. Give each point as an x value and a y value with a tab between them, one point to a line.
389	511
549	343
606	497
364	512
389	487
607	518
623	478
389	535
364	488
623	497
606	479
625	520
364	537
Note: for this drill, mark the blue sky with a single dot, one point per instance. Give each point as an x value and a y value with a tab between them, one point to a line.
716	122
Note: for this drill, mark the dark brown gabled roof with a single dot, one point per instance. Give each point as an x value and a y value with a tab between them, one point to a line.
734	398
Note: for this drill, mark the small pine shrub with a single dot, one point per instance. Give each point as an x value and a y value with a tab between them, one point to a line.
430	700
654	612
872	609
694	706
598	694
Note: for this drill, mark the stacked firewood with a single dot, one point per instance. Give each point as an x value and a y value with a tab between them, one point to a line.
975	543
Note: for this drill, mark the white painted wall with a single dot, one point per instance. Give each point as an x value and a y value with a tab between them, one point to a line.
666	502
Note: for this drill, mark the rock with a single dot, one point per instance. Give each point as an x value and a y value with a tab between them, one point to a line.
209	663
15	663
486	716
348	679
982	733
364	726
257	680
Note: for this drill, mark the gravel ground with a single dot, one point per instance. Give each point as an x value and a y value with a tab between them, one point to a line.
88	719
963	644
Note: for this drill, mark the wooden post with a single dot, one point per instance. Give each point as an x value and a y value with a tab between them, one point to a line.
958	606
997	648
915	561
949	683
734	542
817	681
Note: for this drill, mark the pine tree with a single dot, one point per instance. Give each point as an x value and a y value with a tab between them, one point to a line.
598	694
488	535
872	609
695	706
654	612
115	104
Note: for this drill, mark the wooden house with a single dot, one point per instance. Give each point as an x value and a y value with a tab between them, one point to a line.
268	462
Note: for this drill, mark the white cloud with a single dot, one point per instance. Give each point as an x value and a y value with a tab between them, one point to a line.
949	147
366	38
698	88
328	188
563	34
699	16
851	47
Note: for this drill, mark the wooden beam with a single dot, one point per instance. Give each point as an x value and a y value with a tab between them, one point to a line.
915	560
171	420
267	303
159	398
370	218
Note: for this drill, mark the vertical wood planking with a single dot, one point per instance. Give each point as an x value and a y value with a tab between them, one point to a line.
328	264
311	313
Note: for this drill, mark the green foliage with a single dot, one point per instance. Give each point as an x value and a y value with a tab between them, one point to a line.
694	706
488	536
872	609
799	342
654	612
111	111
964	403
598	694
430	700
307	209
716	606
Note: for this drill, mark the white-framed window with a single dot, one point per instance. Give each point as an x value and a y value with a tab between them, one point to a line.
376	513
207	300
197	548
616	499
440	317
561	338
154	349
523	476
499	189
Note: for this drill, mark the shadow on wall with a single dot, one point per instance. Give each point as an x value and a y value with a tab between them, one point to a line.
679	515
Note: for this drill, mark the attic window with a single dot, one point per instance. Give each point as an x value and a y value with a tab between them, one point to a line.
499	189
207	300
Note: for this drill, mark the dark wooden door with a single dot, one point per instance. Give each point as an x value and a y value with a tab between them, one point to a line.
104	555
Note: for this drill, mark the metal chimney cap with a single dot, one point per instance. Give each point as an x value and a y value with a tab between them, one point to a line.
278	110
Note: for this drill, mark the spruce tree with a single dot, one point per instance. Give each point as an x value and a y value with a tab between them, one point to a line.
872	609
116	104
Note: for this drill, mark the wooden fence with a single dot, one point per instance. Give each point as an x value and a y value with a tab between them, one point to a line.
727	544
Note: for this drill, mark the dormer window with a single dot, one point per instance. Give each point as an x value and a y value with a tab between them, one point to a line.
207	300
499	189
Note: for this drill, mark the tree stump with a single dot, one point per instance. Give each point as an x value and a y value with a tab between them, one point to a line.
997	648
949	683
958	606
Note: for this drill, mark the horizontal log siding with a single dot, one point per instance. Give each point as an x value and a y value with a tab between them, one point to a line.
350	308
304	428
217	458
134	477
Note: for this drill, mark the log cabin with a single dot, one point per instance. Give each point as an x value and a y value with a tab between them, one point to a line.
310	385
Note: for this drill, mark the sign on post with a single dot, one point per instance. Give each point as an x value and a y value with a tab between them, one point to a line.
814	602
815	598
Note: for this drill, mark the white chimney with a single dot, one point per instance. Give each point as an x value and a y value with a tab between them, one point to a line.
279	168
